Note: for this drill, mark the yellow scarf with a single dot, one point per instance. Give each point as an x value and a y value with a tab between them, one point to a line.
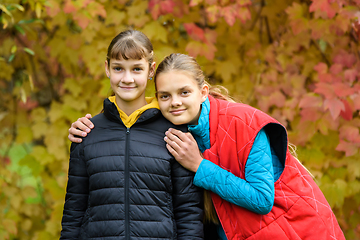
130	120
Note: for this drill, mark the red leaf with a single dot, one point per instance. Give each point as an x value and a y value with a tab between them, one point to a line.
342	89
229	14
69	7
309	101
310	114
336	68
335	106
167	6
194	31
344	58
349	132
324	6
347	114
326	77
325	89
350	74
357	102
349	148
321	67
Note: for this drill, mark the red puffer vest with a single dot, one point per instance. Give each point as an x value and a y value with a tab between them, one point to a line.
300	209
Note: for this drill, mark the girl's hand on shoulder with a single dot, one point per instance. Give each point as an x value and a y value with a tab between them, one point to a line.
184	148
80	128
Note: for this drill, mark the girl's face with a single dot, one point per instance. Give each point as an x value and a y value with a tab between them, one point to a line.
180	97
128	79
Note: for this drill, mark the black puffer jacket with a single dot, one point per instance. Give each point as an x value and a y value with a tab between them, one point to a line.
124	184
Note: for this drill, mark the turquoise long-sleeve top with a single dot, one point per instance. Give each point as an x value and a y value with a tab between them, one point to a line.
262	164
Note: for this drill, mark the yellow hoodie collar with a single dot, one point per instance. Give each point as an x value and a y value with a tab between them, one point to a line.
130	120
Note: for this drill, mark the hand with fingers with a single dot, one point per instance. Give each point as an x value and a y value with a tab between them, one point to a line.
80	128
184	148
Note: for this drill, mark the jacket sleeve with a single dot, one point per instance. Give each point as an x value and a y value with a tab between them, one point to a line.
256	193
187	204
77	193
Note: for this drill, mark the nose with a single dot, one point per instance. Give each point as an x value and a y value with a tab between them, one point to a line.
176	101
127	77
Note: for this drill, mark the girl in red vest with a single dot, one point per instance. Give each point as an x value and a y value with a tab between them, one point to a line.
259	190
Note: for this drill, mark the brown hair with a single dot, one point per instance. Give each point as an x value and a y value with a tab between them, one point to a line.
189	66
130	44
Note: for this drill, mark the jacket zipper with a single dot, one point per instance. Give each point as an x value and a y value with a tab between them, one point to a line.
127	180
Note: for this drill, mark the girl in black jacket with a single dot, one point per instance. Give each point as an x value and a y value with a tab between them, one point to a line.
123	183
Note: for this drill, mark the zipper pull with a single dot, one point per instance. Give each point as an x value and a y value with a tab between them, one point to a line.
127	130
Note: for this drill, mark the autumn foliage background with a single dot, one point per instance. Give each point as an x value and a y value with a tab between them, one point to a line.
299	61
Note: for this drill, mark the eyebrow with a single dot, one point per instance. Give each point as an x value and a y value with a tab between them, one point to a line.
135	65
181	89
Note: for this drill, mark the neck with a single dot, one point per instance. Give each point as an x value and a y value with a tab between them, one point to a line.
129	107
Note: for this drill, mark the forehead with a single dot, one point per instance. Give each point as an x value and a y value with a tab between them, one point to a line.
174	80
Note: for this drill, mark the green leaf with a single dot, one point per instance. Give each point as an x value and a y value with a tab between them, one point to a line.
12	56
29	51
19	29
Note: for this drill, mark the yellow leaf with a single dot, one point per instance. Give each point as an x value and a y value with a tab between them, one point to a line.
38	9
28	192
55	112
38	114
41	155
15	201
225	69
69	100
114	16
26	224
155	31
39	129
24	135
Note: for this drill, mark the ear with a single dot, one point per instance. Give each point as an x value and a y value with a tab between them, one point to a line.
204	92
152	69
107	70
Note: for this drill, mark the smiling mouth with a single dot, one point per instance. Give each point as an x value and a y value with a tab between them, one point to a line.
177	111
127	88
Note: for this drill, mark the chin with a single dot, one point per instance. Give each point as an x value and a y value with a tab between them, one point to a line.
177	121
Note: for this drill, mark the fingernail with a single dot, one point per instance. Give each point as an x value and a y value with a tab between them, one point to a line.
91	126
166	132
165	138
83	134
87	130
80	140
